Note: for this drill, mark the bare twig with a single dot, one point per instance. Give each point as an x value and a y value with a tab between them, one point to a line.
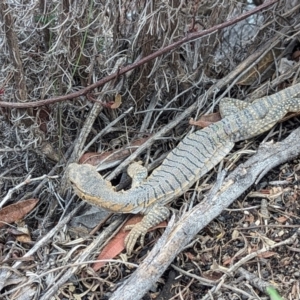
25	182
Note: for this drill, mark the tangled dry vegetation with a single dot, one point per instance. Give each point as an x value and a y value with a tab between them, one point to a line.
50	49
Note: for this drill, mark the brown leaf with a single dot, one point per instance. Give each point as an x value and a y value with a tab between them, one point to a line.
281	219
296	56
228	261
116	245
25	239
118	102
24	236
190	256
16	211
206	120
254	73
212	275
42	116
249	218
94	158
289	116
266	254
267	193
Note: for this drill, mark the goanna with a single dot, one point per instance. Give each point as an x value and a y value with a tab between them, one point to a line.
194	156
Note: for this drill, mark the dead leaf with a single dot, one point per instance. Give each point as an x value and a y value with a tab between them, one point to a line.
94	158
116	245
235	234
206	120
254	73
289	116
190	256
296	56
228	261
118	102
266	254
48	150
282	219
267	193
16	211
42	116
249	218
24	234
212	275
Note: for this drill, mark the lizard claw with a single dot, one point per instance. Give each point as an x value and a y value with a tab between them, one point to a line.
136	231
154	216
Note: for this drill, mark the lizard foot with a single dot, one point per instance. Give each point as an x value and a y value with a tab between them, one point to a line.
136	231
152	218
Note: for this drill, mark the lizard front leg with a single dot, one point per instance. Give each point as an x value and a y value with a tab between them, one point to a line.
138	173
156	215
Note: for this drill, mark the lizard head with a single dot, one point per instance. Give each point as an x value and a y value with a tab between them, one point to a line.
89	185
86	181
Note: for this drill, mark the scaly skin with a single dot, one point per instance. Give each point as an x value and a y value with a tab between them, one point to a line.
194	156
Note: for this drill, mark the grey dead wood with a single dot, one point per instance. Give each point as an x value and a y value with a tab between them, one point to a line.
181	233
79	144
